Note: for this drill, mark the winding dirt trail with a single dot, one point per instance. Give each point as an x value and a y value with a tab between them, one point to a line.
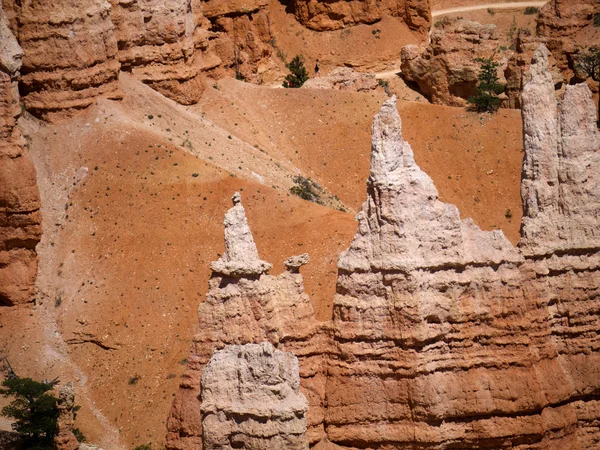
509	5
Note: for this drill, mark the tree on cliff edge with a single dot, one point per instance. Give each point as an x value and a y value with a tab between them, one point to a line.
488	87
588	62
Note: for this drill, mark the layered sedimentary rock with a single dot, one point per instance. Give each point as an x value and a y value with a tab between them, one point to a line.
331	15
65	439
163	45
251	399
246	305
70	55
567	27
443	335
241	35
445	70
20	218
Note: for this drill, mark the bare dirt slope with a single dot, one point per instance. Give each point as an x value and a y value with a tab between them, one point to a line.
474	159
133	197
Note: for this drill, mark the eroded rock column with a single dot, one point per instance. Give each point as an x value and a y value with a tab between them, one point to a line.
20	218
246	305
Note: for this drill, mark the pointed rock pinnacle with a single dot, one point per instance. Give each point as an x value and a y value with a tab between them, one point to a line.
241	256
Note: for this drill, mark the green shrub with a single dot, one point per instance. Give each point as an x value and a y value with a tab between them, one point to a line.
298	74
144	447
530	10
307	189
597	20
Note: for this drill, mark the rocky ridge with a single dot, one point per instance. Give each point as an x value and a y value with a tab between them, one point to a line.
20	218
442	334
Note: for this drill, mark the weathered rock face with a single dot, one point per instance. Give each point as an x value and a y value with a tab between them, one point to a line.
560	198
568	27
445	70
251	399
70	55
443	335
20	219
241	32
161	43
343	79
65	439
331	15
245	305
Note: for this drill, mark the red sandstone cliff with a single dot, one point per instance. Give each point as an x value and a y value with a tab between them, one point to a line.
19	197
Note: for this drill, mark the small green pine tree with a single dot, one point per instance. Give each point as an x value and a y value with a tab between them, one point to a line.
488	87
298	74
33	409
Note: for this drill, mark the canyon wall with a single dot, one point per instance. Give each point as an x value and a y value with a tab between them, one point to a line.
443	335
324	15
73	51
158	43
20	219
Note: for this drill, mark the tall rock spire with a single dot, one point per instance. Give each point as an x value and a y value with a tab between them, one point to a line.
403	225
559	191
241	256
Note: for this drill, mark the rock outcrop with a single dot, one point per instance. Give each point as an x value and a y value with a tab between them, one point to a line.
324	15
70	55
162	43
567	27
241	33
20	218
343	79
246	305
443	335
517	70
251	399
65	439
445	70
73	51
